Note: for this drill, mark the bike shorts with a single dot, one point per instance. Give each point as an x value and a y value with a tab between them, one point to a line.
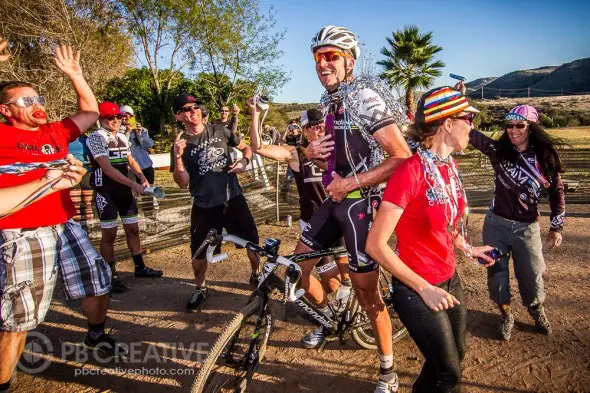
234	216
351	219
327	263
113	203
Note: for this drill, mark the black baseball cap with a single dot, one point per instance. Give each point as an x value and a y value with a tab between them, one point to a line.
311	117
182	100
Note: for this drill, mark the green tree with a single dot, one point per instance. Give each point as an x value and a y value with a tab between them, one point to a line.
410	62
238	46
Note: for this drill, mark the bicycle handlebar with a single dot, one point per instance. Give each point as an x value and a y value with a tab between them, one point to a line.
293	270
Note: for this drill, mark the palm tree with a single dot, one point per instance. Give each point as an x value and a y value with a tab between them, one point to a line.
410	61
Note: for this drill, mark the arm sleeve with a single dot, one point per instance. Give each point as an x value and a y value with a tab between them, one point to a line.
402	187
482	143
557	203
145	140
97	145
233	124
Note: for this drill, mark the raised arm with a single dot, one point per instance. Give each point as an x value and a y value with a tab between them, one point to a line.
181	176
280	153
69	62
482	142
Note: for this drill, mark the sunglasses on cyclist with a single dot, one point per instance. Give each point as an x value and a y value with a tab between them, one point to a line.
467	118
192	108
26	102
520	126
118	117
329	56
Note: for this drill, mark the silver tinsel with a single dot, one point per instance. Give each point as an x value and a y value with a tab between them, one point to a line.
348	94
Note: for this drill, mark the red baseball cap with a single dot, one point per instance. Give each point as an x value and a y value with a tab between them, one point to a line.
108	109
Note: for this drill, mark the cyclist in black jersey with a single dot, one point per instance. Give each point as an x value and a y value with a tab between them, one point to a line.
110	158
362	118
308	178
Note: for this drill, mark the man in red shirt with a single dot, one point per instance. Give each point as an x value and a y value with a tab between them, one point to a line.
40	237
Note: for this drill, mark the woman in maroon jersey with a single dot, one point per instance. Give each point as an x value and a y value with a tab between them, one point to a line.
424	202
308	178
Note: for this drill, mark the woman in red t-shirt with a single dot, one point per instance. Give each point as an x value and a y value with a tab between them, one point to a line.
424	202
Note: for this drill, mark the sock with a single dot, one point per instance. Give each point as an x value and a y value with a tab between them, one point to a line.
4	387
386	362
94	331
138	260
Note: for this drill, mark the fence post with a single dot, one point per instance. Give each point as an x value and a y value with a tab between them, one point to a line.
277	191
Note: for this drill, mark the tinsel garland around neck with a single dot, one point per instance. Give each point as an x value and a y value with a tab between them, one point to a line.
348	94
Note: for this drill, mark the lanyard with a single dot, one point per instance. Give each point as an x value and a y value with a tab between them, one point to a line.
536	171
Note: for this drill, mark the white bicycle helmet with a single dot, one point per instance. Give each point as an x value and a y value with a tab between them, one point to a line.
339	37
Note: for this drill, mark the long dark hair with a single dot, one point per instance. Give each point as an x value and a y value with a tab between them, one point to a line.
544	146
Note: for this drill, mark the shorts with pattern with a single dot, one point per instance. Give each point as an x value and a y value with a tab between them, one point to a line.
113	203
29	262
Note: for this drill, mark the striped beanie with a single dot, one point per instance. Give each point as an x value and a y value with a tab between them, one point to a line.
523	112
440	103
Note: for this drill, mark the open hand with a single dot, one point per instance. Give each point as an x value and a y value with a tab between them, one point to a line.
479	252
237	166
3	45
320	149
68	61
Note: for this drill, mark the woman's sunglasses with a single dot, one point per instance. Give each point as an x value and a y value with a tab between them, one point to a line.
467	118
329	56
520	126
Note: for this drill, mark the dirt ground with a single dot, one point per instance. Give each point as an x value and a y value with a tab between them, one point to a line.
151	319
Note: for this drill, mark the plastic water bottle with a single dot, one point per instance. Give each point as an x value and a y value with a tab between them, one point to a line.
342	295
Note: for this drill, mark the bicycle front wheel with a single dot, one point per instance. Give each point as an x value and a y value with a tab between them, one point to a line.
238	351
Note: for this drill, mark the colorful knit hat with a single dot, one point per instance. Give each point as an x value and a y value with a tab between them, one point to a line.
523	112
442	102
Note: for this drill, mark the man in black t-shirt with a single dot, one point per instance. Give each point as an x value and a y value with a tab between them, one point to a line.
201	161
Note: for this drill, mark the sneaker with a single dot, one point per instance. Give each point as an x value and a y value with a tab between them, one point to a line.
106	346
197	298
507	325
542	324
314	339
116	285
148	272
387	387
254	278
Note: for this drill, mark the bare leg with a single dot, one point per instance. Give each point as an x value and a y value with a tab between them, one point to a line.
107	244
132	235
11	347
95	308
199	270
313	288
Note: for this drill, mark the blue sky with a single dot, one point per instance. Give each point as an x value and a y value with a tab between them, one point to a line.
479	38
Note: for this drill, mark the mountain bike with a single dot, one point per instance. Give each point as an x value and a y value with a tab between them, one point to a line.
239	350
